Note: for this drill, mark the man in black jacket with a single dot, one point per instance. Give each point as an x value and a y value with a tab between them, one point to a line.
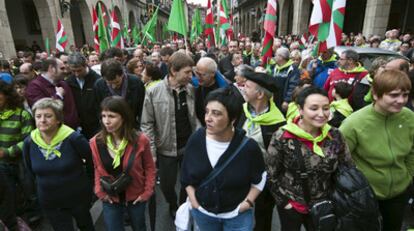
116	82
82	81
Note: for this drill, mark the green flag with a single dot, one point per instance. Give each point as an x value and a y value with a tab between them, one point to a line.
126	32
177	21
102	33
149	29
47	46
136	35
196	27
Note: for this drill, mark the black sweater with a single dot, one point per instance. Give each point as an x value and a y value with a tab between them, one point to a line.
232	185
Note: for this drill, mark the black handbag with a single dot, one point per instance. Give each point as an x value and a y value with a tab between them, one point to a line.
115	186
322	212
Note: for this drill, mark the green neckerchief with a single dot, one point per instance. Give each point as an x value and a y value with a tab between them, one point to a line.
368	96
342	106
151	84
4	115
299	132
62	133
331	59
247	54
288	63
391	40
273	116
357	69
292	111
117	151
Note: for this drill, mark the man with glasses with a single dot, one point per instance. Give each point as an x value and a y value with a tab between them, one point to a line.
207	78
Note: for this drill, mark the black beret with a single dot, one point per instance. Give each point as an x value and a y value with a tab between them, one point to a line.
262	79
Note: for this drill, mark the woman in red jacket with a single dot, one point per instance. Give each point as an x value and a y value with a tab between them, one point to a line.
117	144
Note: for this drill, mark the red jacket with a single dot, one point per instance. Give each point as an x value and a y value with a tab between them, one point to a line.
142	171
338	75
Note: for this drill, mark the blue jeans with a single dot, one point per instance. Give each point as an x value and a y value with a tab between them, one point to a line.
243	222
114	215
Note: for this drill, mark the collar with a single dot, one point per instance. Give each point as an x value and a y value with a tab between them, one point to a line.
45	76
357	69
331	59
287	64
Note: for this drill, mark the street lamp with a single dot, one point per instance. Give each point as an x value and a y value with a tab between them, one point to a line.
64	6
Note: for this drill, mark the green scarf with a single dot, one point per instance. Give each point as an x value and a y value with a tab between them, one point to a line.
342	106
273	116
62	133
299	132
391	40
4	115
331	59
288	63
357	69
292	111
117	151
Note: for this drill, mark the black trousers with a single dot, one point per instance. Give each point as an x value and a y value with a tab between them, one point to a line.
263	211
61	218
291	220
168	171
392	211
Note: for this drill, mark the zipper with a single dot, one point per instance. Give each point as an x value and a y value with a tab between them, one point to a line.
392	155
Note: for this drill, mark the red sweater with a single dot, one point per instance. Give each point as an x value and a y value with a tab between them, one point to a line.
338	75
142	171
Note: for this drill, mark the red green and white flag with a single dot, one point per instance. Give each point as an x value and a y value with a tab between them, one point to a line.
95	29
224	22
61	37
337	23
209	29
320	22
116	35
270	28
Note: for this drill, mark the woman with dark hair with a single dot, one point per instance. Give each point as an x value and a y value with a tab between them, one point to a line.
309	138
151	75
57	157
121	152
223	170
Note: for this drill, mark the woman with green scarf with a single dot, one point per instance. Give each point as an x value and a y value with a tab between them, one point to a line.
321	148
116	146
60	159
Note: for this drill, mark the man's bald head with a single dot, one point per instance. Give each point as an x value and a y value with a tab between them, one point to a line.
398	64
26	69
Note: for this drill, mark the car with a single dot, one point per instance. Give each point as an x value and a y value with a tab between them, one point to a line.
368	54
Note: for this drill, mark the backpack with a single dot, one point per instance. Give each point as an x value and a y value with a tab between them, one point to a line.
356	207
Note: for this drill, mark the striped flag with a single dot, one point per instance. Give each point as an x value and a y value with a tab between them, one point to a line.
270	28
320	22
95	29
337	23
224	22
209	30
116	35
61	37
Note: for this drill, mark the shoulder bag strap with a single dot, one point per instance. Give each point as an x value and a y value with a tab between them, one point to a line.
131	157
302	173
218	170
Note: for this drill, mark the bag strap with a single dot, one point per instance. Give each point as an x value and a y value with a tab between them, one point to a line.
302	173
102	149
218	170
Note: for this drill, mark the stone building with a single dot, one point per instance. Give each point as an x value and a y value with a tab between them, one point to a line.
366	16
24	21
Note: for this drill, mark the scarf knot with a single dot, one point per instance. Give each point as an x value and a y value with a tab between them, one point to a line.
118	151
273	116
62	133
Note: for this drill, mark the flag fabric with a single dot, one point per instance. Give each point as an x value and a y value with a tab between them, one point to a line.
102	33
61	37
224	22
116	35
320	23
47	46
149	29
126	30
196	27
177	21
136	35
209	30
270	20
336	24
95	29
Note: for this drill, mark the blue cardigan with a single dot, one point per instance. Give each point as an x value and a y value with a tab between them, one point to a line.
233	184
61	182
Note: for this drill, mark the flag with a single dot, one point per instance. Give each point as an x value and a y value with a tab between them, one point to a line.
270	20
336	24
95	29
224	22
149	29
61	37
177	21
116	35
196	27
320	22
102	33
47	46
209	31
126	31
136	35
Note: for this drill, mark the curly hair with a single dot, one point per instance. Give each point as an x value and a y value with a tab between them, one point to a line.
13	100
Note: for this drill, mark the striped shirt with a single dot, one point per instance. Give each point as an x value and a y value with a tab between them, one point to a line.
13	130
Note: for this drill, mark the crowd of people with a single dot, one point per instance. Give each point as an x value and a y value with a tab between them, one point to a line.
235	132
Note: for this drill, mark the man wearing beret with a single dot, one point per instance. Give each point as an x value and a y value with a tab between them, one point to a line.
261	118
